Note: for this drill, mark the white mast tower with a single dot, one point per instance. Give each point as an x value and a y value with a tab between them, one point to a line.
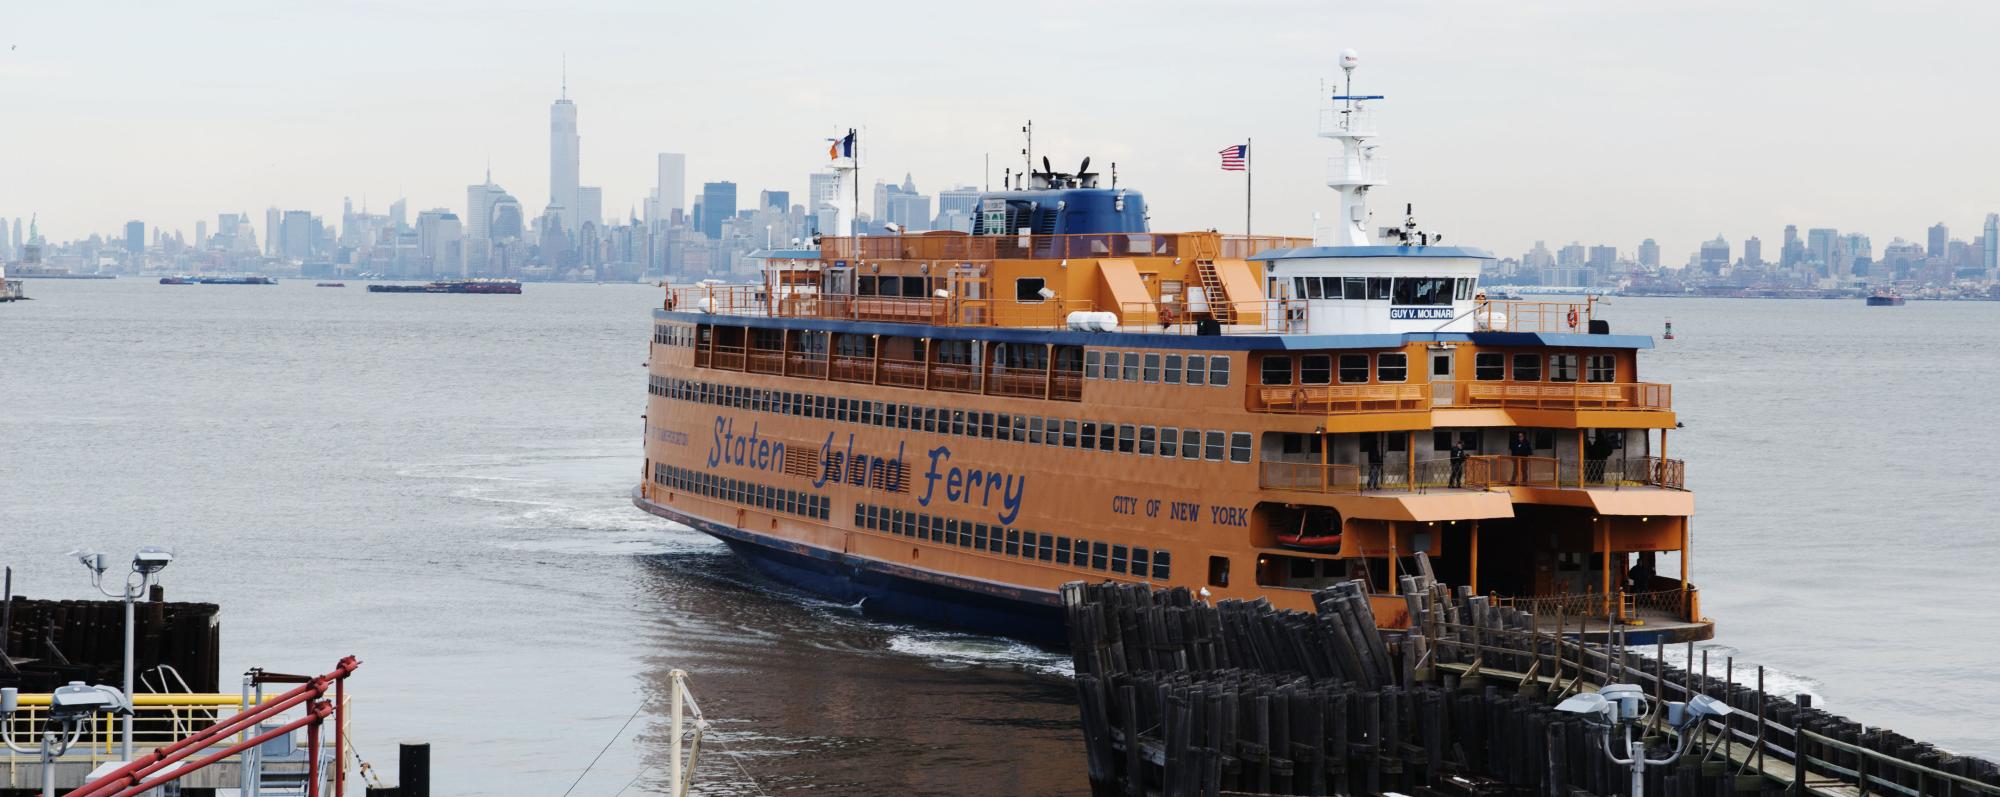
1356	169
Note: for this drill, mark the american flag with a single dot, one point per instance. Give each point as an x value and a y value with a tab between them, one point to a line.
1233	157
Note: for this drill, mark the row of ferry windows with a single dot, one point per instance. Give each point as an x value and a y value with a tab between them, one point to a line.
1015	542
1321	369
762	496
1147	441
671	335
1415	291
1156	368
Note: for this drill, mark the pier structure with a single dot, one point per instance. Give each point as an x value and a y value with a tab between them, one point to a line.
1180	697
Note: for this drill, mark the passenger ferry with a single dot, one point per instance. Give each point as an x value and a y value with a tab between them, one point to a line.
950	426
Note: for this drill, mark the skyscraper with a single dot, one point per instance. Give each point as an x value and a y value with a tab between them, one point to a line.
718	203
1715	255
272	237
782	200
5	252
1649	254
589	206
1990	254
399	214
135	238
564	149
479	201
1823	248
1753	252
672	185
1940	238
1793	251
201	234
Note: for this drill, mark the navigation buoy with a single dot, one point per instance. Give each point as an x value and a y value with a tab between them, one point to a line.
1670	329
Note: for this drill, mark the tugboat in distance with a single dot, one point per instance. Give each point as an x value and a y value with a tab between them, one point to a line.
454	286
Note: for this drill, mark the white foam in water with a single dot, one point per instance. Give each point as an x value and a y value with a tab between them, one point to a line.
958	651
1780	683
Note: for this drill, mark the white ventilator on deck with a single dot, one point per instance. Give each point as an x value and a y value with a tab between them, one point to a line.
1356	168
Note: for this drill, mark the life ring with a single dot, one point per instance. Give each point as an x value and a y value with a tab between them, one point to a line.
1572	318
1167	315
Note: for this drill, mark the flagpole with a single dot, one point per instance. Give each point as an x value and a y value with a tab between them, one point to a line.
1248	169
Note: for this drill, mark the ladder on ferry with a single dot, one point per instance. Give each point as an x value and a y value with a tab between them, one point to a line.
1212	292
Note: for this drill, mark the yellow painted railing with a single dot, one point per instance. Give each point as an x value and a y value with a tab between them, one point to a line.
157	721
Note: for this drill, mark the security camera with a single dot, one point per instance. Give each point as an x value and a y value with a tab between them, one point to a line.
151	560
1630	699
81	700
91	559
10	699
1702	707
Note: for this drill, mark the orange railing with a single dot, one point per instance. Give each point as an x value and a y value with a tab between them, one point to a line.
1509	316
1343	398
809	366
954	378
901	373
958	246
853	369
1310	477
1018	382
754	300
1490	470
765	362
1569	395
1659	472
1249	316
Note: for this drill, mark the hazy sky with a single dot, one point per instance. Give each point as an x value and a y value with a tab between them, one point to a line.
1604	122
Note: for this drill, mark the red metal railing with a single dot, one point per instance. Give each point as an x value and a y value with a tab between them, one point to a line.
156	767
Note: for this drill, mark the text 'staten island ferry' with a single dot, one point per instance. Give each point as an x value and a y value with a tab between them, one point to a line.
951	426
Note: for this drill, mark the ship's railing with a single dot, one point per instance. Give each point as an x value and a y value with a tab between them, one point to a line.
1310	477
897	372
1490	470
954	377
1660	472
158	720
1568	395
1371	169
1619	605
1018	382
1357	121
1513	316
1324	399
953	246
1239	317
1242	247
801	364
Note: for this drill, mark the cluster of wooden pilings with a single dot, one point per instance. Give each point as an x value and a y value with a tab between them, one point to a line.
47	643
1181	698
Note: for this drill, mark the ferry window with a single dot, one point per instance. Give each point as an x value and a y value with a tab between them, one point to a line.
1600	368
1062	550
978	535
1239	447
1005	431
1398	441
1054	425
1131	366
1035	430
1378	288
1093	364
865	286
1218	571
1082	557
951	529
958	422
1118	556
1465	287
1172	374
1489	366
1309	287
1047	549
1139	557
1392	367
1527	368
1162	565
930	419
1218	371
1353	369
986	425
1562	367
1197	367
1152	368
1148	440
1069	434
1127	433
1099	555
1170	441
1029	289
1013	542
1545	440
1191	444
1111	365
1315	369
1422	290
1440	441
1089	435
1212	447
1277	369
1107	436
1354	288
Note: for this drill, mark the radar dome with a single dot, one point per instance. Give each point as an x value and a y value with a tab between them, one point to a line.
1349	59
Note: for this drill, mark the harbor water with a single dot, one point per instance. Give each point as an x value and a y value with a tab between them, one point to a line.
439	484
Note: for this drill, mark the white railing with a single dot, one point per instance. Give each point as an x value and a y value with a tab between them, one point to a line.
1368	170
1346	121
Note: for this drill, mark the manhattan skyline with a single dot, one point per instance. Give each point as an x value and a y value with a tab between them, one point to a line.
1503	127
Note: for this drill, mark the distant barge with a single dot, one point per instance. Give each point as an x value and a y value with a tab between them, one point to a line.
452	286
186	280
1885	300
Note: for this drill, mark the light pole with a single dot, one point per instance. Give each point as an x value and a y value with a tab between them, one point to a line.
147	562
1623	706
70	708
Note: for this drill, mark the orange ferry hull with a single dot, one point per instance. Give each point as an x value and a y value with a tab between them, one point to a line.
963	603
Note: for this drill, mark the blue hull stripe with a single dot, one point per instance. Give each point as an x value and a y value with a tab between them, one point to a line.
893	589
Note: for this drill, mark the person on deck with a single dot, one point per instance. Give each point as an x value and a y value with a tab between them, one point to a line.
1375	467
1521	446
1457	463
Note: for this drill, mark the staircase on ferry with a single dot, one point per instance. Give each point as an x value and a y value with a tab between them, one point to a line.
1212	292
